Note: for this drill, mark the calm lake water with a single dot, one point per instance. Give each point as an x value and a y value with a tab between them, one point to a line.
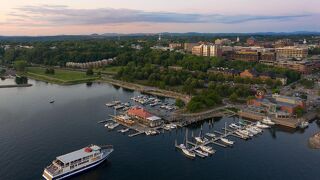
33	132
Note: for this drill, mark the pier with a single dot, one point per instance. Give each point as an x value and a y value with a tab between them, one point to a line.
188	118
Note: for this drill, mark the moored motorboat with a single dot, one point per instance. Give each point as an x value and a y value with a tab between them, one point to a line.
252	131
124	130
113	125
267	121
211	135
243	136
199	140
207	149
244	132
201	153
234	126
304	124
227	141
263	126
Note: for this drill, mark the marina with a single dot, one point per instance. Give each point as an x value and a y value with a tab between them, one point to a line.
82	107
221	139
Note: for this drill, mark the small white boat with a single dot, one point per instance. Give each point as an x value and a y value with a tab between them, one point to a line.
153	132
202	153
117	102
263	126
118	107
126	104
188	153
173	126
207	149
244	132
304	124
243	136
124	130
259	130
110	104
252	131
211	135
147	133
227	141
267	121
234	126
167	127
199	140
112	126
107	124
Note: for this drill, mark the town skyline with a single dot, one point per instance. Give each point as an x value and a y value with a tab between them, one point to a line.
40	18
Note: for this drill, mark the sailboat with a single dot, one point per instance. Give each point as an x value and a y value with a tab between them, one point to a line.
225	140
199	139
185	150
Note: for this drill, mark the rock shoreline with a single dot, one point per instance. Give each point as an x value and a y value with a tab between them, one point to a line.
314	141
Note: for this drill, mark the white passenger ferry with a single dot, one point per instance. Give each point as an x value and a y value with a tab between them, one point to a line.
77	161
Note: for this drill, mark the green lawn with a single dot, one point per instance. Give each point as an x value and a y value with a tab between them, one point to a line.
60	76
109	70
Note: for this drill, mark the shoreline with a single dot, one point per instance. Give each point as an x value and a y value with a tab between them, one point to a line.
16	85
146	89
58	81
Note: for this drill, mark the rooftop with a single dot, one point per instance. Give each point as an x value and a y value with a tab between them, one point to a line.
75	155
140	112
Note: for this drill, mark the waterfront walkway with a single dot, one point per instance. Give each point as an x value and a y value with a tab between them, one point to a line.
189	118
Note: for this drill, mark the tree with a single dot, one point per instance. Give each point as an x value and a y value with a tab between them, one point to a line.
49	71
20	65
233	97
299	111
89	72
2	71
21	80
180	103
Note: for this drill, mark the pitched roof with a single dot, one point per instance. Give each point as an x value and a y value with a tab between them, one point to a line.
140	112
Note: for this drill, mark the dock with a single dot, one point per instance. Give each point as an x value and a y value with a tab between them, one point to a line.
189	118
217	140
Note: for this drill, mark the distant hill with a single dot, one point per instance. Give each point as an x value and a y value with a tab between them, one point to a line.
114	35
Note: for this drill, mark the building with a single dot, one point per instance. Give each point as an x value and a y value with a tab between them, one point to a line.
278	105
207	50
283	43
175	45
94	64
249	74
144	117
268	56
248	56
251	41
304	67
292	52
290	100
197	50
222	42
188	46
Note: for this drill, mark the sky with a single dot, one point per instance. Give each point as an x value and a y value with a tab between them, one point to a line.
57	17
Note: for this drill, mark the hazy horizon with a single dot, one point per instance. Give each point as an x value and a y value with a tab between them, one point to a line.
84	17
